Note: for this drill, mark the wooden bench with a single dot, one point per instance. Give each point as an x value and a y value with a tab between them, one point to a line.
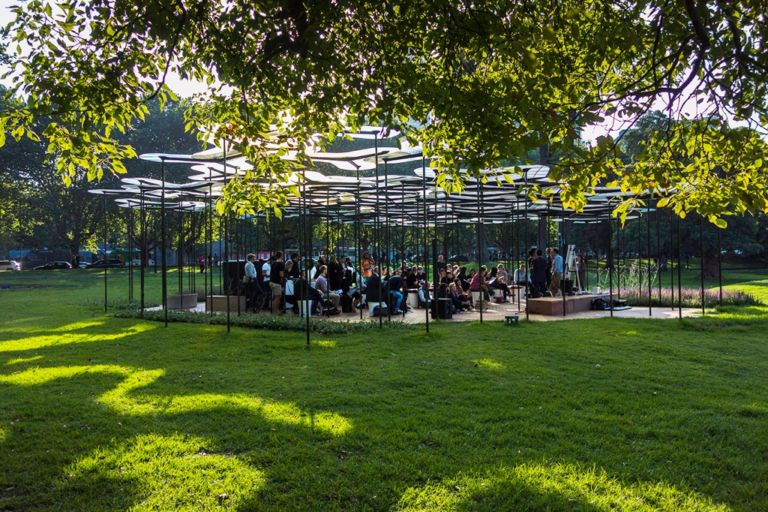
511	319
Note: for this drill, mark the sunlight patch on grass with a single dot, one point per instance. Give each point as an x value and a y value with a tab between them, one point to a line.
324	344
37	376
123	400
76	326
557	486
3	433
487	362
154	472
22	360
50	340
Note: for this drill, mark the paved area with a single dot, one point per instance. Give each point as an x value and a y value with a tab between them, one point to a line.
497	312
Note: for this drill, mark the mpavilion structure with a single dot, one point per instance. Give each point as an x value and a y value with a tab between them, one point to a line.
380	199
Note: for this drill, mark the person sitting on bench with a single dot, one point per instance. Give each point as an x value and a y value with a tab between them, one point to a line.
303	291
459	299
321	284
395	288
480	284
424	299
374	288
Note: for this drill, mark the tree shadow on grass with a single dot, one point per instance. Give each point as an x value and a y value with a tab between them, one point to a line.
147	414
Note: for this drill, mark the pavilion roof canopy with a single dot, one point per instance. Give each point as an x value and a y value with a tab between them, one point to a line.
495	195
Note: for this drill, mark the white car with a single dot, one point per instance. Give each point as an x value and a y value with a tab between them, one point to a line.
9	265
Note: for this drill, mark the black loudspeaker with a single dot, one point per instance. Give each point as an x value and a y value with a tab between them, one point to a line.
233	272
346	303
444	309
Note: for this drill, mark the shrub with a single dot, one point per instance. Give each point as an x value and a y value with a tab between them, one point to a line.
691	297
271	322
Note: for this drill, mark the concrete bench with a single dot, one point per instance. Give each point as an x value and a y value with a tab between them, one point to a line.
182	301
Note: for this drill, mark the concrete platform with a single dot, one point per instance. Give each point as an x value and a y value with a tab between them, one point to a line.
550	306
495	312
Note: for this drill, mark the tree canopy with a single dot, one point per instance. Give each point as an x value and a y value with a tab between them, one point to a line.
475	83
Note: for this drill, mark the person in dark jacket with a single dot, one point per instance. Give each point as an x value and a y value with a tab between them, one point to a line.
303	291
374	287
335	274
539	274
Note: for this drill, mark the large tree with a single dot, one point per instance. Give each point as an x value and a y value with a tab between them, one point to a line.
476	83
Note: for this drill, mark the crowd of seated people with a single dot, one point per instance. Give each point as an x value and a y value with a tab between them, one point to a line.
331	284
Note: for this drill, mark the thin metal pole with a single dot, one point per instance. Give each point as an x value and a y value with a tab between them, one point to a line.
226	247
209	251
480	278
358	264
701	250
386	233
610	259
106	243
206	244
671	263
648	255
164	268
620	266
130	252
679	274
525	227
180	254
658	250
308	302
564	247
239	227
720	267
144	252
427	305
376	230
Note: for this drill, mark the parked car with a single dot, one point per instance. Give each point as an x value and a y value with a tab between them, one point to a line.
9	265
55	265
136	262
111	263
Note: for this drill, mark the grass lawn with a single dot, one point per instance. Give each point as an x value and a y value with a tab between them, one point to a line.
99	413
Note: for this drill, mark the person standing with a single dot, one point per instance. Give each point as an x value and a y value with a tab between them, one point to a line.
366	268
250	279
557	271
539	274
581	272
295	271
335	274
276	275
439	265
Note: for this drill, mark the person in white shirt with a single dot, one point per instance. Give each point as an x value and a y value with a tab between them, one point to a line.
266	272
250	283
521	276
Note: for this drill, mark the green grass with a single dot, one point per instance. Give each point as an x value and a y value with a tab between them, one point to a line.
101	413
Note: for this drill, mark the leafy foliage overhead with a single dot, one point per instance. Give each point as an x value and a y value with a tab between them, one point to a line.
474	82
